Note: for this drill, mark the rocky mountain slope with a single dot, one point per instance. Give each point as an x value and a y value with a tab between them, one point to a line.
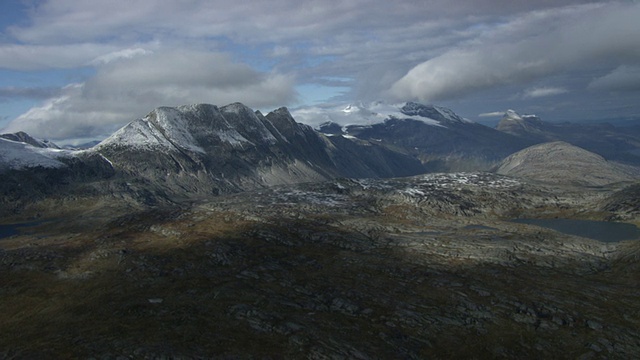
562	163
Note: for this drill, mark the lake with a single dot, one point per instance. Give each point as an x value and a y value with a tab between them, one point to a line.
7	230
598	230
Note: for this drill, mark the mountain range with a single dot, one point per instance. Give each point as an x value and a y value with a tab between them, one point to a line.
617	143
201	231
196	151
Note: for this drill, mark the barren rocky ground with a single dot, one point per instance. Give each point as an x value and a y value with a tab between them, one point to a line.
421	267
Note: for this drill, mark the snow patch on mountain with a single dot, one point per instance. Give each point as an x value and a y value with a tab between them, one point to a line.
245	120
232	137
511	115
18	155
194	128
140	134
376	112
23	137
173	125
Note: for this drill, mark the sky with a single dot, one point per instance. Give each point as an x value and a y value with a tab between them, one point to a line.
81	69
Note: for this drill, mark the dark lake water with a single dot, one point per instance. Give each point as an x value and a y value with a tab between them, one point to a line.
598	230
8	230
13	229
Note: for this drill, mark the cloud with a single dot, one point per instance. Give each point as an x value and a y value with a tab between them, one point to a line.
527	48
360	32
543	91
478	52
11	92
128	87
79	21
281	51
36	57
624	78
492	114
120	54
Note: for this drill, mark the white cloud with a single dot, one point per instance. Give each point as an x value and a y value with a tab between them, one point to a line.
129	87
119	54
492	114
80	21
543	91
26	57
279	51
527	48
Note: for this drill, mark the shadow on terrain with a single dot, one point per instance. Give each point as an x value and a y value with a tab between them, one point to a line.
165	283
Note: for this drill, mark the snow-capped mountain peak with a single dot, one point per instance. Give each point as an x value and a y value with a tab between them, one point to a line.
350	108
192	128
377	112
511	115
163	128
437	113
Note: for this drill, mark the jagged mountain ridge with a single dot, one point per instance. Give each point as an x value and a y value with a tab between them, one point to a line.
235	148
202	150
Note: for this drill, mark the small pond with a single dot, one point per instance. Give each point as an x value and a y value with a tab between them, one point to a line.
478	227
605	231
7	230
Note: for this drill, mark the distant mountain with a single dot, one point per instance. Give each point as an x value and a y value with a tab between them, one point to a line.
562	163
82	146
377	112
439	138
27	139
614	143
17	154
523	125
